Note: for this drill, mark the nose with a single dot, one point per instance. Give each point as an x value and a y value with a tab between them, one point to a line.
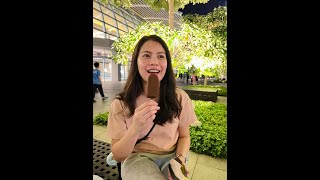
154	61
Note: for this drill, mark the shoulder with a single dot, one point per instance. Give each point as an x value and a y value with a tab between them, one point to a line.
181	92
182	95
117	106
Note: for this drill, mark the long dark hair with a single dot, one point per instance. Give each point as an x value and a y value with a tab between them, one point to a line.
170	107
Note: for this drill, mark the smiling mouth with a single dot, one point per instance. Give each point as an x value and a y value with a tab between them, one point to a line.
153	71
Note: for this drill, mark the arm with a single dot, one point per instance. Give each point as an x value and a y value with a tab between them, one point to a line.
183	145
122	148
100	80
99	76
187	117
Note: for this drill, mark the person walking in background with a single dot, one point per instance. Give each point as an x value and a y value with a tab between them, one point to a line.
97	82
188	77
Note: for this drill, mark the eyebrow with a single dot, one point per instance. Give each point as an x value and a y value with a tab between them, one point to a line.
151	52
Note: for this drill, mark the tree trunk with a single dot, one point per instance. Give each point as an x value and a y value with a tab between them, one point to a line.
205	80
193	79
171	13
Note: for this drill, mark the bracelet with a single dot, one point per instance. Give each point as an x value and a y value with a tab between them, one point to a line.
185	159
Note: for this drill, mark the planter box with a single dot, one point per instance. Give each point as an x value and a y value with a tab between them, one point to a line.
201	94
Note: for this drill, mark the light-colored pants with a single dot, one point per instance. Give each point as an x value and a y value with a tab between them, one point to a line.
146	166
96	177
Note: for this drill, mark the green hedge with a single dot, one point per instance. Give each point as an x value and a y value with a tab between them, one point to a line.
211	137
101	119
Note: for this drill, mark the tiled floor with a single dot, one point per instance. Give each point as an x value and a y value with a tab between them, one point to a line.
201	167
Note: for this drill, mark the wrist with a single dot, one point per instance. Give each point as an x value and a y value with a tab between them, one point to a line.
133	132
182	158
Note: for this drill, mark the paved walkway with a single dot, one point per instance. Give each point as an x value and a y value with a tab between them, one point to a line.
201	167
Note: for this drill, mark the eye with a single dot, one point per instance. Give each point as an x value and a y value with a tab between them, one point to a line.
145	55
162	56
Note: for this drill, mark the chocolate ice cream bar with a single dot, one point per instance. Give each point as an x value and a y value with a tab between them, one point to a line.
153	86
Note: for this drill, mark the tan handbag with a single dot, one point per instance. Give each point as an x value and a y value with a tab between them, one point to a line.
177	170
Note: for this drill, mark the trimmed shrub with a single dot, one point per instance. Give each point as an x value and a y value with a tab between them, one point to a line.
101	119
211	137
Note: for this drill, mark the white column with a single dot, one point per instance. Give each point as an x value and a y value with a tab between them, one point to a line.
114	72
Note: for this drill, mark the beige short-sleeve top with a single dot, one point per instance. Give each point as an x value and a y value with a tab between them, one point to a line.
162	139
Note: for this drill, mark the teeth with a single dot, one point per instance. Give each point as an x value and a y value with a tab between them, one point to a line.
153	71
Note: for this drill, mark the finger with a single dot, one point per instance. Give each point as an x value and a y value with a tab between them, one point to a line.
145	104
149	114
147	109
151	118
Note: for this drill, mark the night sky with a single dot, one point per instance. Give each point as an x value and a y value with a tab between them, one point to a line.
202	8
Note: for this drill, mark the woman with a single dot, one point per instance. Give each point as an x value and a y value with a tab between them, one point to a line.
132	115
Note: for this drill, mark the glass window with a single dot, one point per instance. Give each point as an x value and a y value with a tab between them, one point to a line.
124	71
136	22
130	29
127	16
96	5
98	24
111	30
98	34
122	27
130	24
121	19
134	19
107	11
121	33
97	14
107	70
109	20
117	10
109	6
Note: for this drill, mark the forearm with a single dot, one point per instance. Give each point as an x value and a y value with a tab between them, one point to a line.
124	147
183	146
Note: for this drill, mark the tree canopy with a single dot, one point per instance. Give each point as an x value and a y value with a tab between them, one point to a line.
200	45
216	22
192	46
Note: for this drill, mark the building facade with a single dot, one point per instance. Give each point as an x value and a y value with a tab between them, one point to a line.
109	23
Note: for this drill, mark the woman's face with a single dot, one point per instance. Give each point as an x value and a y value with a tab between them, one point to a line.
152	60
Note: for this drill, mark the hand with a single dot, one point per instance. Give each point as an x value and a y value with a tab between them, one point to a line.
179	168
184	168
145	113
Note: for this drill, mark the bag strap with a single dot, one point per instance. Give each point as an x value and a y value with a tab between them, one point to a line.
146	136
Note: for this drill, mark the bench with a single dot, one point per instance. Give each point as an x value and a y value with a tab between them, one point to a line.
201	94
100	167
